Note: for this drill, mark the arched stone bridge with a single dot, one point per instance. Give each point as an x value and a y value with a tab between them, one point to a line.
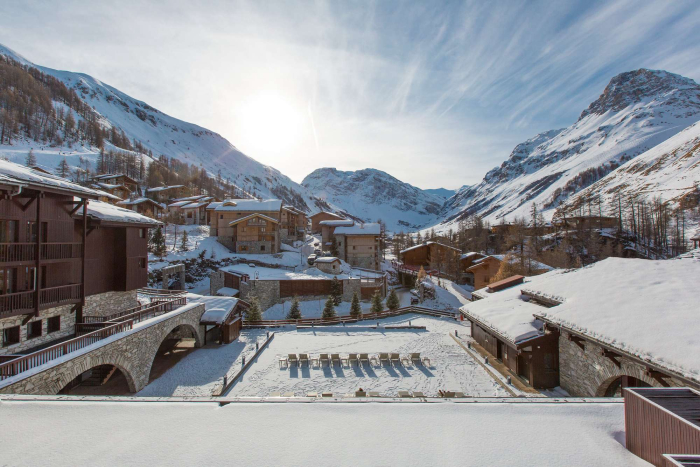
132	354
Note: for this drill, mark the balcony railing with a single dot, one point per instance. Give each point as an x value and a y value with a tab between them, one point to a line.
23	252
20	302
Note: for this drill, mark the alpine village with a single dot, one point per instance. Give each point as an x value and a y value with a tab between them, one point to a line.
166	299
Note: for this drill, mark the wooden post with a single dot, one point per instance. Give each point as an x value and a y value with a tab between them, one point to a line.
37	260
79	311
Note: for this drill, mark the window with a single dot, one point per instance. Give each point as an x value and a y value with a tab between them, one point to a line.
8	231
354	247
8	280
53	324
262	247
34	329
189	214
142	263
10	336
221	216
29	278
31	231
262	229
243	248
142	233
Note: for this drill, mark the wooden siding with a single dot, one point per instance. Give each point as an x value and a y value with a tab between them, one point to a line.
232	281
290	288
651	431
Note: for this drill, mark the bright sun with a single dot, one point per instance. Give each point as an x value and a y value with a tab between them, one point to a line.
269	123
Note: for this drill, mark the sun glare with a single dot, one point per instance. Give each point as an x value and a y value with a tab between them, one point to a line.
270	123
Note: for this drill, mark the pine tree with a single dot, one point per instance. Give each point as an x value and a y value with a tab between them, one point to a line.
31	159
355	309
377	306
392	301
158	242
183	245
336	291
63	169
329	309
253	312
295	310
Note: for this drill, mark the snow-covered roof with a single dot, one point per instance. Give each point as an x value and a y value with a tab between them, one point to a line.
326	259
227	291
213	205
359	229
276	274
24	176
179	204
108	186
642	307
141	200
250	216
326	212
471	254
695	235
163	188
577	432
108	195
508	312
427	244
338	223
198	203
536	265
253	205
217	309
190	198
111	213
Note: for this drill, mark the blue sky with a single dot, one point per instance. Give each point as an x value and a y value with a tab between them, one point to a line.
435	93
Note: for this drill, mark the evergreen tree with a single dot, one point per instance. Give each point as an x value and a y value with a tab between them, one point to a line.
295	310
63	169
336	291
183	245
253	312
158	242
392	301
377	306
355	309
31	159
329	309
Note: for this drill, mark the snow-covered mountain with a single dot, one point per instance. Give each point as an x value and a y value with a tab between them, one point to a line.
372	194
166	135
441	192
637	111
668	171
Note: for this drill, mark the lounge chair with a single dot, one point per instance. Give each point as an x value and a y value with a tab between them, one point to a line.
303	357
425	361
364	358
459	394
311	394
395	359
275	394
418	394
335	358
384	357
406	360
352	358
293	359
288	394
404	394
324	358
285	361
374	394
449	394
360	393
327	394
374	359
415	358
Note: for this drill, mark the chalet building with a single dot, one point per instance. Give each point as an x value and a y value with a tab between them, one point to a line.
479	274
120	180
60	262
328	230
322	216
191	210
467	260
166	194
292	224
106	197
328	264
358	245
695	238
118	191
144	206
587	222
430	255
223	319
248	225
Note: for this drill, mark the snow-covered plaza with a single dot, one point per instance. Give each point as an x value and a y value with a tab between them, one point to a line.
450	368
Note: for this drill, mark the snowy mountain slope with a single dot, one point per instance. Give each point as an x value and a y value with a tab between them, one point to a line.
669	171
441	192
372	194
167	135
637	111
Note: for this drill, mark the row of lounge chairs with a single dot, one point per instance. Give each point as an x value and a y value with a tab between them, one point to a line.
357	358
362	393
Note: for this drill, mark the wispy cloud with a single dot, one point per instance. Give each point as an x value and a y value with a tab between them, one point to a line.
434	93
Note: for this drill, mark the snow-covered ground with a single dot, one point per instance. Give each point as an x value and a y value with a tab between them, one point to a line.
451	368
310	309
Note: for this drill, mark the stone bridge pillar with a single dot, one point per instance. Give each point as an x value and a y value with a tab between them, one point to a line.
173	269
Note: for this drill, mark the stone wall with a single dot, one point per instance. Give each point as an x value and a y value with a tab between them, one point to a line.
227	242
132	354
109	302
268	292
216	281
254	248
587	373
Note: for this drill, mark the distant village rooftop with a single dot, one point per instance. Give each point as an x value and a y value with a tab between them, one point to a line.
164	188
250	205
428	243
359	229
338	223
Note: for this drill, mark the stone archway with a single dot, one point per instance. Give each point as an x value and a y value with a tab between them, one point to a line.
67	377
165	350
639	378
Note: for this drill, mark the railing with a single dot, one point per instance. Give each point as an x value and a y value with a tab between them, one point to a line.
33	360
61	251
23	252
159	292
59	295
351	319
136	314
16	301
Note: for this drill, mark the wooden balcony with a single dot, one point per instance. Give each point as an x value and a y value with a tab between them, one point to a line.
26	252
24	302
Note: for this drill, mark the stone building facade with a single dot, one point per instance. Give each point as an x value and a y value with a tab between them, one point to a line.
588	373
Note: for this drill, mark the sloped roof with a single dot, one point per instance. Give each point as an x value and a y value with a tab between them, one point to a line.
359	229
338	223
326	212
326	259
20	175
163	188
250	216
252	205
110	213
427	244
132	202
